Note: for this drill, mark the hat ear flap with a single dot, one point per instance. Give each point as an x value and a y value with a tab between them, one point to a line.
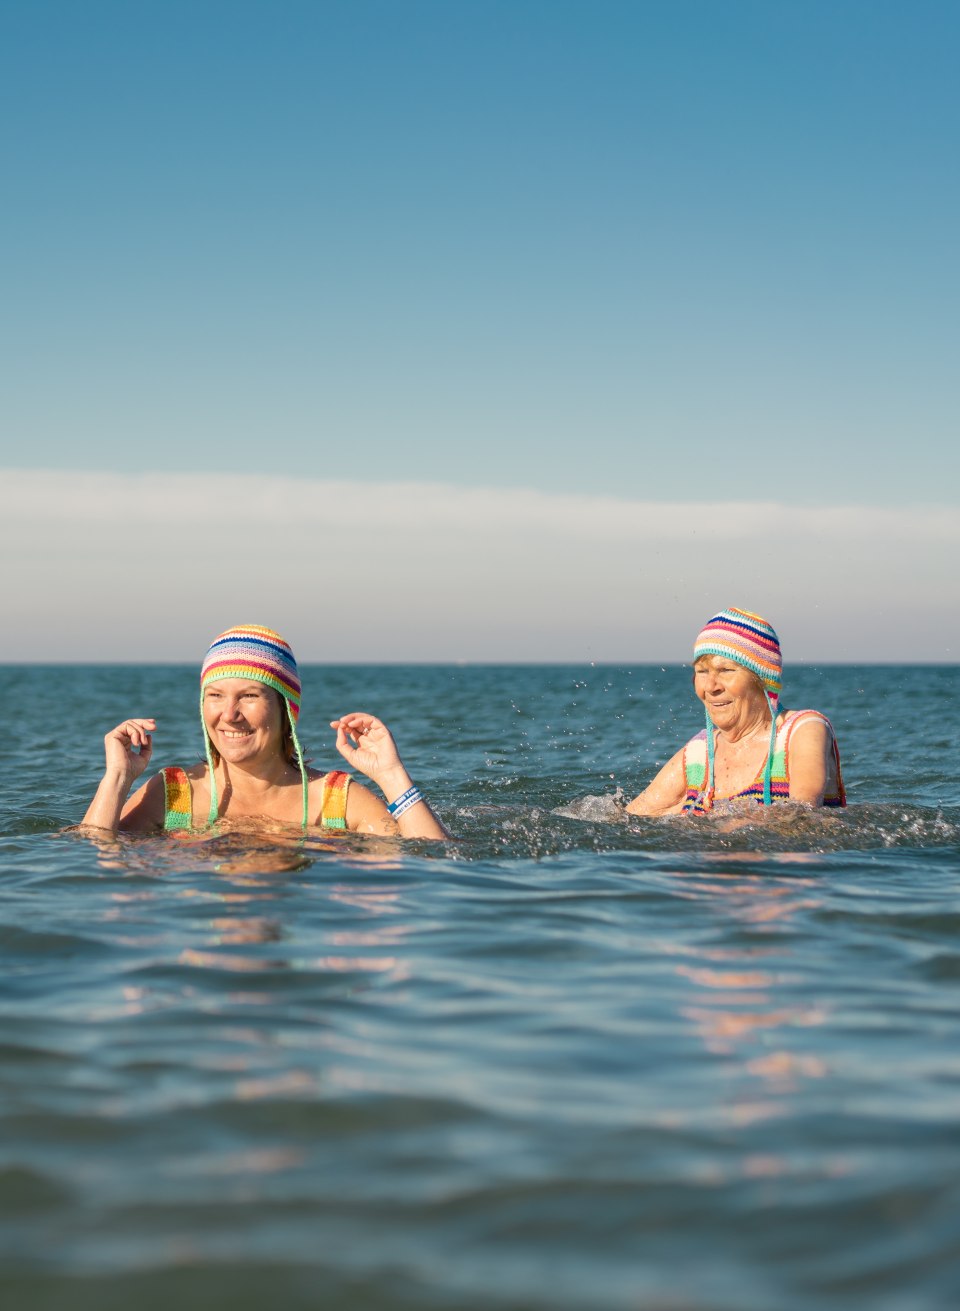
208	747
771	748
291	720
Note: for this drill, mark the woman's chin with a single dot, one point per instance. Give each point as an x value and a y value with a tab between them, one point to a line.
721	720
236	748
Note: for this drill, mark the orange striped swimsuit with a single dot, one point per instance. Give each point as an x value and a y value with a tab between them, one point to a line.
178	800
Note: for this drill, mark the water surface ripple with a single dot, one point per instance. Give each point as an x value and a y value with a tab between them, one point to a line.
571	1060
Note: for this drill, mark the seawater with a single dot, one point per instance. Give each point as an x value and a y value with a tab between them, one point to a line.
570	1060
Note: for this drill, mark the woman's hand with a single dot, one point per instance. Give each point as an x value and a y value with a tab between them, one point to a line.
128	748
367	745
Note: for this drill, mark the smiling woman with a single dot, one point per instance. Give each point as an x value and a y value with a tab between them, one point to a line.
751	750
255	771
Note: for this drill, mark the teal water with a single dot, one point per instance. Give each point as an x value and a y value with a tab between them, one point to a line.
570	1060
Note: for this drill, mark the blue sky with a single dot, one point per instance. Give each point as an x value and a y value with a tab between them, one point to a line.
689	253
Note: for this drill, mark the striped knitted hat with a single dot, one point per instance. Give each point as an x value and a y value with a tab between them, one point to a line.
262	656
747	640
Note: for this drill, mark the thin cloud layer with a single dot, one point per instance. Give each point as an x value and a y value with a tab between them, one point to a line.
121	567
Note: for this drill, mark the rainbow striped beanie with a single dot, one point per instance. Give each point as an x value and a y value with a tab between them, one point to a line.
747	640
261	655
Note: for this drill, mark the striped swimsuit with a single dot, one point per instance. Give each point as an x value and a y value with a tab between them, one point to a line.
696	802
178	800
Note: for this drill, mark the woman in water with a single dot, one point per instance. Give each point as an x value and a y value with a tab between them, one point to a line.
751	750
255	771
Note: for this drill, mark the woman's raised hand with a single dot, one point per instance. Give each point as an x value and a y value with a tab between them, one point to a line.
129	747
367	745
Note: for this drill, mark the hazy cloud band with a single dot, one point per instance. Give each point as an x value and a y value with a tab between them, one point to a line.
106	566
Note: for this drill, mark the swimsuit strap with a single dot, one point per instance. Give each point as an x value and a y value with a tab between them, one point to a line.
177	800
797	717
333	813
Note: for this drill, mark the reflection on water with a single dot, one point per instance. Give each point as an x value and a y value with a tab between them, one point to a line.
744	990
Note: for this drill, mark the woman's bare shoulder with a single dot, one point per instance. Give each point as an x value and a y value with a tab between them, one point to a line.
367	812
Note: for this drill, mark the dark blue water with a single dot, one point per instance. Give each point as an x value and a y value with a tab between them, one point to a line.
571	1060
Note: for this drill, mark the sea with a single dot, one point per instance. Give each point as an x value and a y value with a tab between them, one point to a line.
570	1059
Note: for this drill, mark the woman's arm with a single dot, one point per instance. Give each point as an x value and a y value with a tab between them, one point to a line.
664	796
128	749
811	761
368	745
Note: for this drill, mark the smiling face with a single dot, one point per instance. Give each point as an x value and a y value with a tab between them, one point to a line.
734	696
243	718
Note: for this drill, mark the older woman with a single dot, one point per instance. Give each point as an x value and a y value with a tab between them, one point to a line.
255	771
752	750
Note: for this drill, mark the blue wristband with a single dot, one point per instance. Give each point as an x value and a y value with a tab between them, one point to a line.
405	801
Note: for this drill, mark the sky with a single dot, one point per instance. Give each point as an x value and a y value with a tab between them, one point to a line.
479	331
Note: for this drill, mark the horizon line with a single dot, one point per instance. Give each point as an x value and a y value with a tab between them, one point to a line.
930	662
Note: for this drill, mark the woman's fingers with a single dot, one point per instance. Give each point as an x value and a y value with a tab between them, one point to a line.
138	731
358	726
357	721
134	733
129	747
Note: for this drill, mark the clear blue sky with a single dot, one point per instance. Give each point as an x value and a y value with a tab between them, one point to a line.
678	250
614	255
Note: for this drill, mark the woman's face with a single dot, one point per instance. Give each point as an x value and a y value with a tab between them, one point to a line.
733	695
244	719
